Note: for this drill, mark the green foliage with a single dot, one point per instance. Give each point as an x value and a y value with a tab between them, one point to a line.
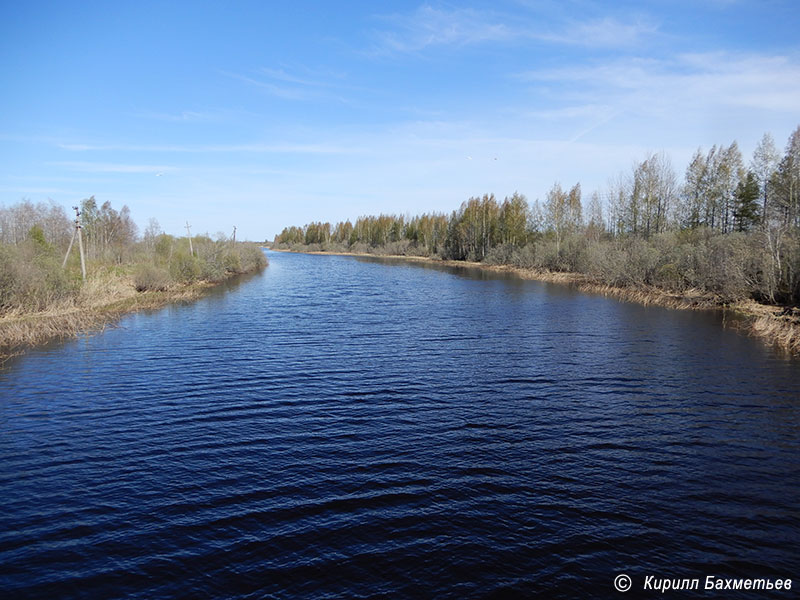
108	234
31	277
212	261
163	247
36	235
232	262
184	267
746	213
317	233
34	275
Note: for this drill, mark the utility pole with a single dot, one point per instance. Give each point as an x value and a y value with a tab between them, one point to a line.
69	248
234	234
77	231
189	234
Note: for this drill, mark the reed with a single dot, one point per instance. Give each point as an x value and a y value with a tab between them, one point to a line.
769	323
784	334
100	303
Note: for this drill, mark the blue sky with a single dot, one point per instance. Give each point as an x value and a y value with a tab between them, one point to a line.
261	115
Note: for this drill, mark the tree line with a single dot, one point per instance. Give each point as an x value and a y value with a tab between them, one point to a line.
36	273
728	228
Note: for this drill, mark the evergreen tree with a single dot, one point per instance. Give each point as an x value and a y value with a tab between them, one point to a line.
746	213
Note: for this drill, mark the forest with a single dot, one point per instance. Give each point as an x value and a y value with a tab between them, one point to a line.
729	230
46	292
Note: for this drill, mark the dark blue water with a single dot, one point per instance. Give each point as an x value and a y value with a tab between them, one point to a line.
347	428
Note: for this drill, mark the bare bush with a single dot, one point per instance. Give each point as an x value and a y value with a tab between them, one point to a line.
150	278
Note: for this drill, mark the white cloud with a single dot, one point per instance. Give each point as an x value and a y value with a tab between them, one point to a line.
686	83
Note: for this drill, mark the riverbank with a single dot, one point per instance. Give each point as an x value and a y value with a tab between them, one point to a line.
102	301
776	325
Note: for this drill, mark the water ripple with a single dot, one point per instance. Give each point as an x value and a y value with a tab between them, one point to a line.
339	428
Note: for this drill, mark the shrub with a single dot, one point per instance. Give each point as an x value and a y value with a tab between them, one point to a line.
164	246
251	257
360	248
184	267
500	255
31	277
232	262
726	277
574	255
399	248
149	278
524	257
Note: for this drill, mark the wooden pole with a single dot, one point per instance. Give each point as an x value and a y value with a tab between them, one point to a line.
69	248
189	235
80	243
234	234
80	246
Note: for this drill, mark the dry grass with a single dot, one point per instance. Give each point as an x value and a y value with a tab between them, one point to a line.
109	293
778	326
19	333
648	295
783	333
759	320
100	304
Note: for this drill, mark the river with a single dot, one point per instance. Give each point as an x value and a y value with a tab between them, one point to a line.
340	427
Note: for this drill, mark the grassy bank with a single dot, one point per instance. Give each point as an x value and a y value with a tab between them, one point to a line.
776	325
101	303
43	302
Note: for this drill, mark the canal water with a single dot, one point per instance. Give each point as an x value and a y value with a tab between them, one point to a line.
339	427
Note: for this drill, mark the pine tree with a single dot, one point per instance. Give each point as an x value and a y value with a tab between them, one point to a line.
746	211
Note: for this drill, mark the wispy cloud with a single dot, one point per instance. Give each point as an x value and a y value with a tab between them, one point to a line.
255	148
573	111
308	78
686	82
307	86
286	92
39	191
606	32
428	26
92	167
183	116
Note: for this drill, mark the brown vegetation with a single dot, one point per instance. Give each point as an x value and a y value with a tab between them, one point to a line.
41	299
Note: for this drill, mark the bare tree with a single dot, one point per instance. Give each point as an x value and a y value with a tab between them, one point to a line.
764	165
